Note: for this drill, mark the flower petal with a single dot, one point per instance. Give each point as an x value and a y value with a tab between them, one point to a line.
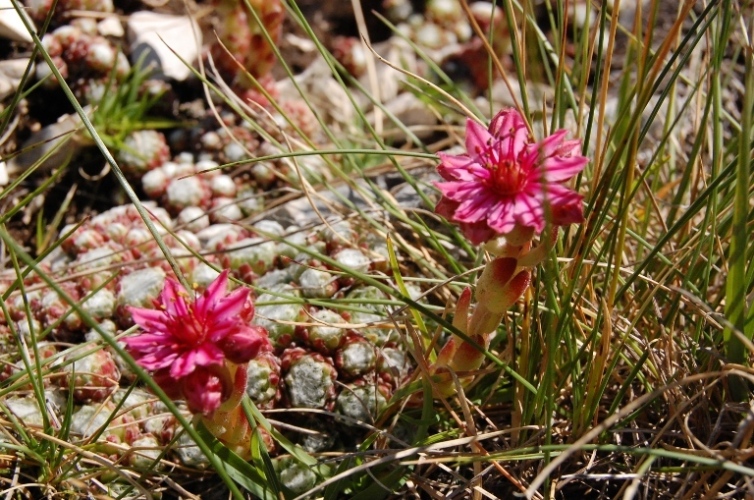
144	317
461	191
212	295
454	167
159	359
478	139
477	232
505	120
446	207
528	211
550	145
571	147
232	305
565	205
510	128
562	168
500	218
475	208
205	355
173	299
244	345
145	341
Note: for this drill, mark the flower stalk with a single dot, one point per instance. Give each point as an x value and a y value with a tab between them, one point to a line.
503	193
229	423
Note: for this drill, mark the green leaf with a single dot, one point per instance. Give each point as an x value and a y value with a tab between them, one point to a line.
242	472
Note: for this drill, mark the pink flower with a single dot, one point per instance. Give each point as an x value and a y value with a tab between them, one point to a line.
506	179
186	342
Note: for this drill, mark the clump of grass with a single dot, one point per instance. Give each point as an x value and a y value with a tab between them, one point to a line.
125	106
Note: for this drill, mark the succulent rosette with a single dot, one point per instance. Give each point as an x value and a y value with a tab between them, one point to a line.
188	344
507	180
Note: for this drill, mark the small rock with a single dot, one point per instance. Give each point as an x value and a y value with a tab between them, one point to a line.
59	140
319	84
413	113
4	179
110	26
11	24
26	409
158	35
11	71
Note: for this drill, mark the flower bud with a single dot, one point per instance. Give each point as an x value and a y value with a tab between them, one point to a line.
244	345
205	389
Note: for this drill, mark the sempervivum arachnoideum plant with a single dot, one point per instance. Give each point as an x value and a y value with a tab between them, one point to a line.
192	190
333	342
197	347
252	253
93	267
116	242
85	59
332	347
142	151
92	376
40	9
242	44
309	378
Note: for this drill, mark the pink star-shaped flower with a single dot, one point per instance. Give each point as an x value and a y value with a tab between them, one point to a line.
186	342
506	179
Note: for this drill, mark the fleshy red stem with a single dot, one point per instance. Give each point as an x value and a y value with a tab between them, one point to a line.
232	428
502	283
240	378
229	423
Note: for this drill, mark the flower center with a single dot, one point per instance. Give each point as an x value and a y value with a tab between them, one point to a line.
507	176
189	328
